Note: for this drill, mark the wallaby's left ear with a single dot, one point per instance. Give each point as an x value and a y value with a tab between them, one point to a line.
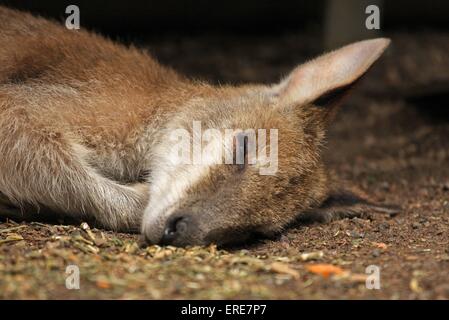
329	75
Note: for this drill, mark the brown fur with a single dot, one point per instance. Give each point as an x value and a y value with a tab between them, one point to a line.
82	124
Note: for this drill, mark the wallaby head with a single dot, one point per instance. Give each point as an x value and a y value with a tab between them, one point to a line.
199	203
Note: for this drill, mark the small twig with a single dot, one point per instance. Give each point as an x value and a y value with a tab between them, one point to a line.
12	229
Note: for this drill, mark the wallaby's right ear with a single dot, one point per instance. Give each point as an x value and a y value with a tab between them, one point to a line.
329	75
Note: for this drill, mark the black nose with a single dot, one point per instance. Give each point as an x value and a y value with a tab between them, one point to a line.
174	229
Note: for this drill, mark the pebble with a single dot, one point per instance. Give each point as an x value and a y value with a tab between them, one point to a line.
416	225
446	186
385	186
384	226
444	257
375	253
356	234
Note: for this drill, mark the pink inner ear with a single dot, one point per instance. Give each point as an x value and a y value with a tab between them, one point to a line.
334	70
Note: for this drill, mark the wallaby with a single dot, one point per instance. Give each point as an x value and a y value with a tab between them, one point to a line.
84	127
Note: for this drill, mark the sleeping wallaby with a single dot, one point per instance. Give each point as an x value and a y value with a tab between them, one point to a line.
85	127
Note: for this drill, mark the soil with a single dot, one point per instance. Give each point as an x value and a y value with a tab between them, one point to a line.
391	140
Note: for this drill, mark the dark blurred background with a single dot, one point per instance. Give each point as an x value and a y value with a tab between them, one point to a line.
260	40
238	16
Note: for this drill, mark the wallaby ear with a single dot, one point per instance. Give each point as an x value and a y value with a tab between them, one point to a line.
321	80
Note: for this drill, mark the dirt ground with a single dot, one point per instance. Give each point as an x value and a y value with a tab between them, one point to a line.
391	139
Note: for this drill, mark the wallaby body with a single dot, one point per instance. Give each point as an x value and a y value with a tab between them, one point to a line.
83	133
